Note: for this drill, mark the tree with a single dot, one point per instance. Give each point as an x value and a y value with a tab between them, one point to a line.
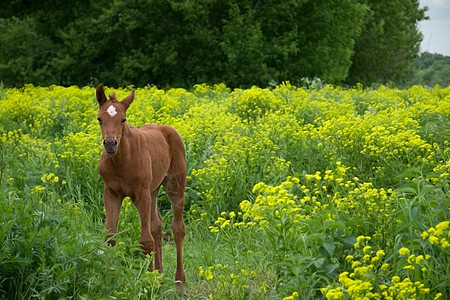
389	42
24	52
311	38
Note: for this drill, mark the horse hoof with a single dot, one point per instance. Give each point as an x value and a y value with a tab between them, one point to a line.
181	288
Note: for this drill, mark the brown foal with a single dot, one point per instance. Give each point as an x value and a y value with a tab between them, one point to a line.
135	163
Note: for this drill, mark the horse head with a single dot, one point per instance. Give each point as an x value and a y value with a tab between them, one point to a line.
112	118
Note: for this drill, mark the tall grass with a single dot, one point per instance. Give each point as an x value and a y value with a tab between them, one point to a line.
292	193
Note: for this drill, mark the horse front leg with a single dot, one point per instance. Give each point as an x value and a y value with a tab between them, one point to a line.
157	231
113	203
143	203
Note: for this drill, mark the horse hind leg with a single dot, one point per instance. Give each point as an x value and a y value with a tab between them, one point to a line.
174	186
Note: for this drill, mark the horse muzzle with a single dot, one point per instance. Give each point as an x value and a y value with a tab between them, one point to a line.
110	145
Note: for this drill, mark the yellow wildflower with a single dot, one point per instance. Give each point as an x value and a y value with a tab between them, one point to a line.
404	251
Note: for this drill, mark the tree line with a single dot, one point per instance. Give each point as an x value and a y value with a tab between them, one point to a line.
178	43
430	69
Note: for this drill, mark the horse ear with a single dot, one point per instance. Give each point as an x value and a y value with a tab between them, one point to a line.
128	99
101	97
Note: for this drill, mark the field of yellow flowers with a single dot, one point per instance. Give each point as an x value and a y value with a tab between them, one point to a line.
293	193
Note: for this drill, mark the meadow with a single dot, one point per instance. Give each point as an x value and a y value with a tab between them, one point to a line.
312	192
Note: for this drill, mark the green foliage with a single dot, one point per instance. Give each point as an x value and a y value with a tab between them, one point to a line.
181	43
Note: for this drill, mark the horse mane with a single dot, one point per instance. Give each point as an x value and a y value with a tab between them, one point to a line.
112	96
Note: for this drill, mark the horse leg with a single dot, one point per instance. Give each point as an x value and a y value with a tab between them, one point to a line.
174	186
113	203
143	204
157	231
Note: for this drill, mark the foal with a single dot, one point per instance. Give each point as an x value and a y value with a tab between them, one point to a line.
135	163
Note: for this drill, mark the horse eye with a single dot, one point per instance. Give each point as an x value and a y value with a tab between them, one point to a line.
123	121
99	121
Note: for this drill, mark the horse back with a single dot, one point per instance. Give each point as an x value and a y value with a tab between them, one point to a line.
147	127
173	139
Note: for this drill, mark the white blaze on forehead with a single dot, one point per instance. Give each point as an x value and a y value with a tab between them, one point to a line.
111	111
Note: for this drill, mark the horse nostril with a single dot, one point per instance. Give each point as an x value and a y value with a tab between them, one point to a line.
115	142
104	142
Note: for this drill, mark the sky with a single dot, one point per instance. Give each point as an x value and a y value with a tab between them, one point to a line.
436	30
